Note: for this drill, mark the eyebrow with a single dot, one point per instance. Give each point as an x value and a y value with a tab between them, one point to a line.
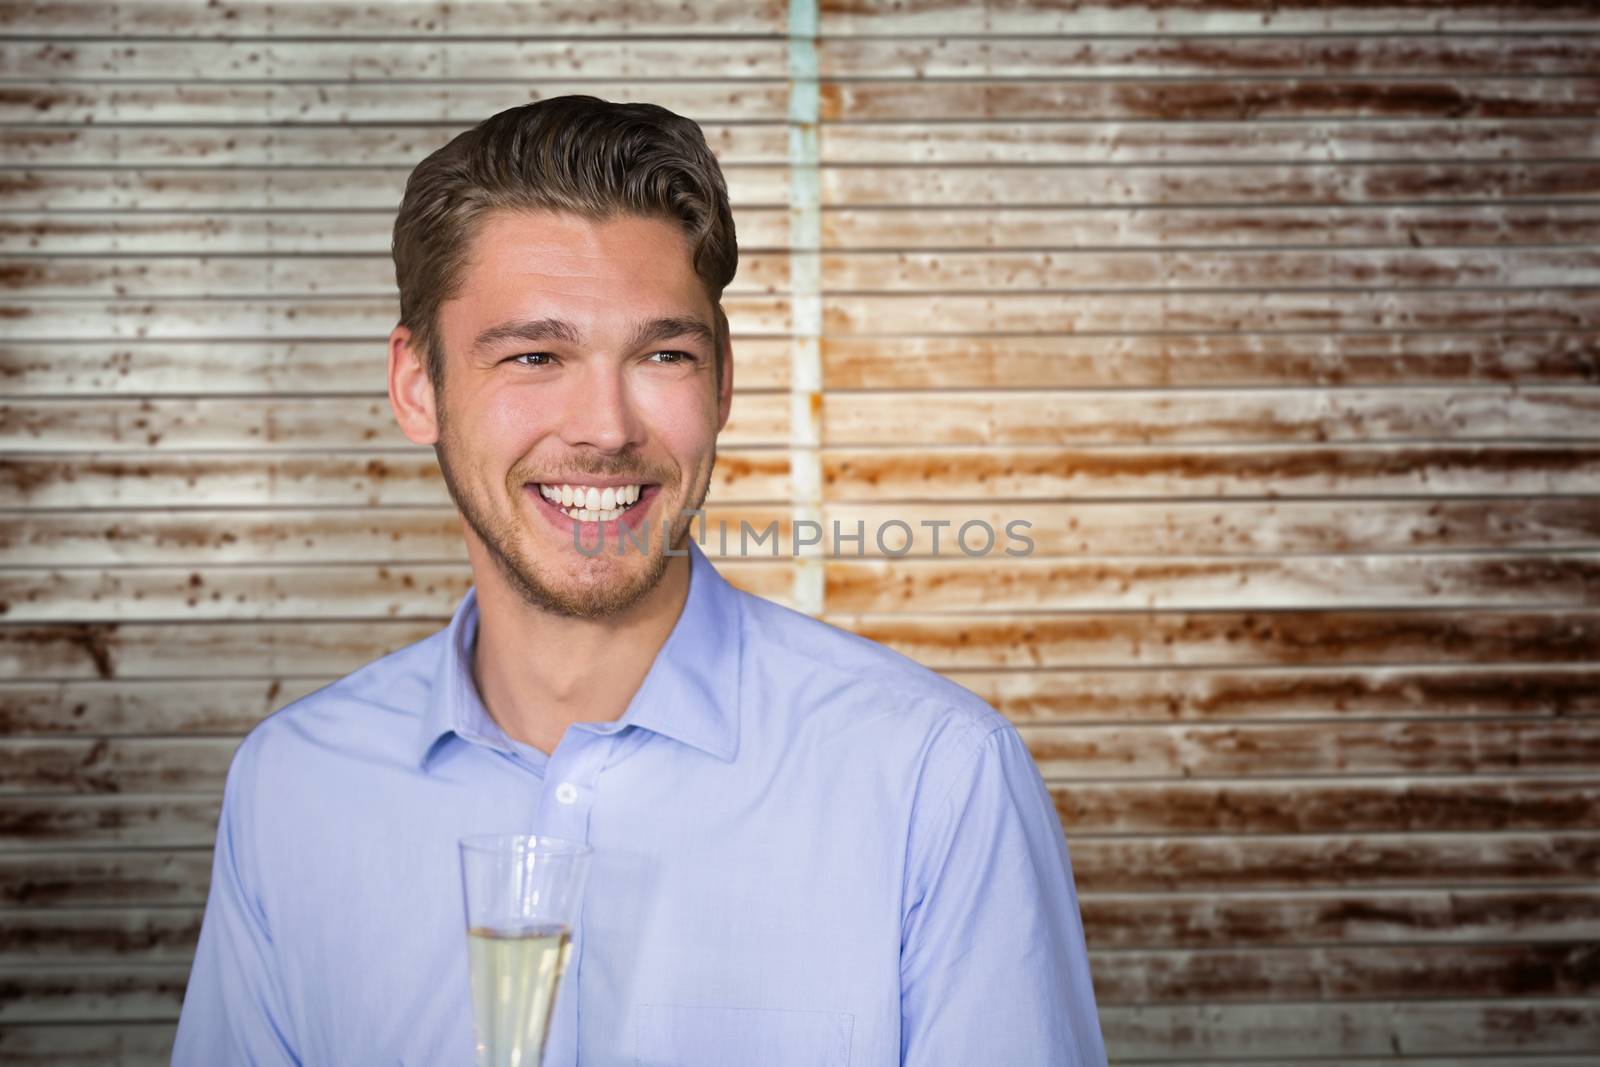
541	330
535	330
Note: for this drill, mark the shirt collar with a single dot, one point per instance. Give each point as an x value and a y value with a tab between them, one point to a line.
691	692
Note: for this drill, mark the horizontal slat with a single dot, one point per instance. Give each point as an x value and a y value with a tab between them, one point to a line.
1538	862
357	144
1143	921
159	765
278	368
1011	187
1103	270
998	581
1346	973
1196	528
413	591
882	314
1124	229
1087	529
66	651
1274	17
1390	805
343	591
168	822
298	318
838	58
96	480
188	276
1430	747
287	189
533	60
232	706
769	273
1157	752
1145	978
103	995
348	232
1123	417
1473	1032
1538	1028
320	536
280	189
100	878
309	366
1146	920
1151	57
1455	692
1329	142
1126	100
284	318
100	935
1336	225
1202	360
367	536
1201	864
1476	803
1377	470
132	1044
1136	100
214	706
1206	639
357	19
268	425
290	424
462	103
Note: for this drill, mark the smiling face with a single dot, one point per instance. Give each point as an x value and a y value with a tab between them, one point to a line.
579	355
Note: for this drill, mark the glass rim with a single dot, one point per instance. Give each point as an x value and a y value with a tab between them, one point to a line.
537	844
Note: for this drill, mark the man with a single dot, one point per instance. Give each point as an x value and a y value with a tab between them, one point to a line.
808	850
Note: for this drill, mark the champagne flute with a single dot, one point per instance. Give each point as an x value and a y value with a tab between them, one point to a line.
522	898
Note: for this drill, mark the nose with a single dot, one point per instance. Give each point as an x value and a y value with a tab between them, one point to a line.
599	412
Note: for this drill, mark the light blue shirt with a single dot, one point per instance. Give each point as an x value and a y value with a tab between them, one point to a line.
809	852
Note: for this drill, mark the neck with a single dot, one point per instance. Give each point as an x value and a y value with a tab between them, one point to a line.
539	673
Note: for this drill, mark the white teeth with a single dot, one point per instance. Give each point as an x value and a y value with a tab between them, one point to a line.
589	504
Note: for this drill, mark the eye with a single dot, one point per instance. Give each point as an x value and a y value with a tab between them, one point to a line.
674	357
532	359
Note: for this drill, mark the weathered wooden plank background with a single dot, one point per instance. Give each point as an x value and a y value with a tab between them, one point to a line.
1278	320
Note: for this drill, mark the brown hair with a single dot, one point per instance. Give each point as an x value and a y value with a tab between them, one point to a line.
575	154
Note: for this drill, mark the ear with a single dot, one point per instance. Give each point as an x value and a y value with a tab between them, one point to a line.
725	389
410	389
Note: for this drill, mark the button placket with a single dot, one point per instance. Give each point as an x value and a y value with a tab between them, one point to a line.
570	785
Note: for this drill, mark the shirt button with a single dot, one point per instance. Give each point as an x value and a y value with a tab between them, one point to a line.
567	793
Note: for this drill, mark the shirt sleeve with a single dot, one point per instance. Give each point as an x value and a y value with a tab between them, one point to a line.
993	966
234	1010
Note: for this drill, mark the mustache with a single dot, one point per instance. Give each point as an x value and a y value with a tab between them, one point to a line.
626	472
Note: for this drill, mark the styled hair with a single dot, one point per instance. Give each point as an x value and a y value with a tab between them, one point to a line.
573	154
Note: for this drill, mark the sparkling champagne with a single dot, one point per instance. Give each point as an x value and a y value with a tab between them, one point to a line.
515	974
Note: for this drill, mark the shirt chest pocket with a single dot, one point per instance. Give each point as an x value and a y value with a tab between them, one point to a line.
679	1035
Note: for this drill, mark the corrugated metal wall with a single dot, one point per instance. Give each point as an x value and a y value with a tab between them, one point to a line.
1277	320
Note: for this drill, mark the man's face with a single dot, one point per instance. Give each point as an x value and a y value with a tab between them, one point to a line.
579	356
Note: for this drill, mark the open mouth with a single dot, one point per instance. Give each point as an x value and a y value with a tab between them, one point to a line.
589	503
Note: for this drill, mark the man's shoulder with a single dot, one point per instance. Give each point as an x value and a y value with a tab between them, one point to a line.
369	713
846	673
